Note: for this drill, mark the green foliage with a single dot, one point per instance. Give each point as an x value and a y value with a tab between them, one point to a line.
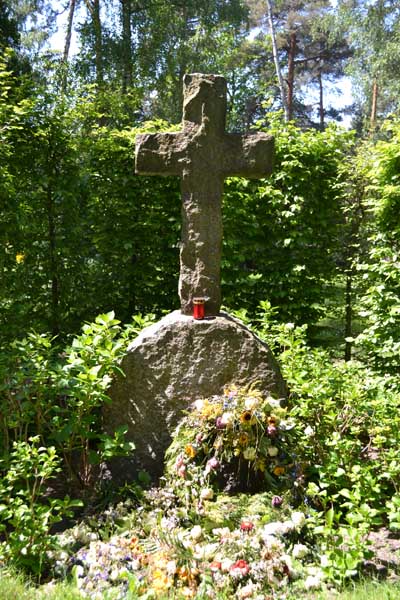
58	396
283	234
81	233
26	515
350	426
51	422
380	270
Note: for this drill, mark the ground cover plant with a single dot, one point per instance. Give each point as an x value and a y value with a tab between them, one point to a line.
257	499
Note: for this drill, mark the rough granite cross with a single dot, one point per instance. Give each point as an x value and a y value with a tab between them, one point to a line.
203	154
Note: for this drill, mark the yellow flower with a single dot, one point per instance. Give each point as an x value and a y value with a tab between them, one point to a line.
20	257
184	573
244	439
161	581
250	453
279	470
219	442
210	411
247	417
260	465
190	451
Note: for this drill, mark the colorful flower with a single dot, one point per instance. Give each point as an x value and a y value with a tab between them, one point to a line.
212	465
215	565
277	501
279	471
190	451
219	424
161	581
246	526
239	569
243	439
182	471
261	465
247	418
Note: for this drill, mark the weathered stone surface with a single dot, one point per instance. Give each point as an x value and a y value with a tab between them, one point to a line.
203	154
171	364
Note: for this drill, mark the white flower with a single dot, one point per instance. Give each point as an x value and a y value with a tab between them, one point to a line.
271	529
324	561
135	564
272	544
287	559
205	552
206	494
273	451
287	425
251	403
312	582
274	402
79	571
184	540
196	533
226	564
227	419
287	526
315	578
247	590
298	518
171	567
309	431
299	551
114	574
223	532
198	405
255	543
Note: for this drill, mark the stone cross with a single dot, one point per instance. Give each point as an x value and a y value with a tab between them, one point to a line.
203	154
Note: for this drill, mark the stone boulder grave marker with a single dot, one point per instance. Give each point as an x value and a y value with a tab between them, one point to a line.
179	359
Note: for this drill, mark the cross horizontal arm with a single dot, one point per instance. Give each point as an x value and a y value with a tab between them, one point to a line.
247	155
159	153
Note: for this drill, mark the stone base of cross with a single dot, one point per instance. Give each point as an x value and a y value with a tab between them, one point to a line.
203	154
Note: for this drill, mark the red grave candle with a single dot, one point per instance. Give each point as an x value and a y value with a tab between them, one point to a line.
198	308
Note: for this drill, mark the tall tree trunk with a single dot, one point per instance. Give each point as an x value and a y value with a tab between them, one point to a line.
98	42
374	103
55	293
290	79
348	317
67	44
94	10
321	101
127	66
276	60
68	35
